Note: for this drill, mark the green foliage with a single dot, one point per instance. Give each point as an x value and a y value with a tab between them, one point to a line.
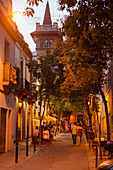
47	70
90	24
67	4
89	29
33	2
29	10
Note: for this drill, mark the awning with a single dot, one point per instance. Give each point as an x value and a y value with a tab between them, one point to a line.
45	118
36	119
51	118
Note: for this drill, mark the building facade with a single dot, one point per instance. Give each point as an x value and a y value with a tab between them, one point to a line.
16	95
24	97
108	91
46	34
7	76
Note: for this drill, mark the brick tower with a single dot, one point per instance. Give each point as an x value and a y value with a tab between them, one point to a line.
45	34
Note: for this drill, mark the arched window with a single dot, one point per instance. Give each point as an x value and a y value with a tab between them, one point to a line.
50	42
41	43
46	43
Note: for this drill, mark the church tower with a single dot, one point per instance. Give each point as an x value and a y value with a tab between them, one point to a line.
45	34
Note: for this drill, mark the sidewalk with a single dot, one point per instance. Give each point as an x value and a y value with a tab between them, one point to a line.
90	154
91	157
7	160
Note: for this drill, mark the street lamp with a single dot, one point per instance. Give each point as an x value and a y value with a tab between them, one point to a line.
12	14
20	104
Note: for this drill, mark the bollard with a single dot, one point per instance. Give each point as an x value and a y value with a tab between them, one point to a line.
27	139
34	144
16	160
89	142
96	156
89	139
27	147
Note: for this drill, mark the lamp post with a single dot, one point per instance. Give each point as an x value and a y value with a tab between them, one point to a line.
27	131
16	153
18	110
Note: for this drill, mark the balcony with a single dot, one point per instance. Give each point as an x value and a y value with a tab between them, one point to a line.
9	74
23	86
25	91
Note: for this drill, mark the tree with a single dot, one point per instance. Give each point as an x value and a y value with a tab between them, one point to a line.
46	70
91	24
29	10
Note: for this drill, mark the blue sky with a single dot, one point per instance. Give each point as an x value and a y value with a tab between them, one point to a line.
27	25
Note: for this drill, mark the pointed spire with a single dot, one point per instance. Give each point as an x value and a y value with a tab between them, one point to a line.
47	16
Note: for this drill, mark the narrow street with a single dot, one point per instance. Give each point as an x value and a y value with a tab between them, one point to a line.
60	155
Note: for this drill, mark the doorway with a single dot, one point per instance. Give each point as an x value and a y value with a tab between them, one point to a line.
2	129
9	130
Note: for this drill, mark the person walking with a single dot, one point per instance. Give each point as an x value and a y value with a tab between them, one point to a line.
45	135
74	132
35	134
79	132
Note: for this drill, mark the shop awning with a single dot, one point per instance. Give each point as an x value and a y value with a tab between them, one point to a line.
45	118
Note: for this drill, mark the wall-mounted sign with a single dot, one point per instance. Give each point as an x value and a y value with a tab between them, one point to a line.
9	74
13	75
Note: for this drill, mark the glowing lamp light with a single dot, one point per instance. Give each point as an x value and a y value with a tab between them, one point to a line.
20	104
13	14
16	15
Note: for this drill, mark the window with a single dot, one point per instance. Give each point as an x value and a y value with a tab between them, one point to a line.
7	51
21	73
41	43
51	42
46	43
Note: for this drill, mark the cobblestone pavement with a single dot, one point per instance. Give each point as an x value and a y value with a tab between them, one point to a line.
59	155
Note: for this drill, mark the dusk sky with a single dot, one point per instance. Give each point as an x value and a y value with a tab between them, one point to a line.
27	25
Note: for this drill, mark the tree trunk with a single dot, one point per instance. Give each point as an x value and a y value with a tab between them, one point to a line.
100	153
40	118
106	111
99	131
44	105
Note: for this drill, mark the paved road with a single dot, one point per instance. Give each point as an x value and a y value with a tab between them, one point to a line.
60	155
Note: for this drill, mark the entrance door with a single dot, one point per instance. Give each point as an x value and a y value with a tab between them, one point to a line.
2	130
9	130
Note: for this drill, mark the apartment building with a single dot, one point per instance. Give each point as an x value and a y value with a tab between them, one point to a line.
7	76
16	96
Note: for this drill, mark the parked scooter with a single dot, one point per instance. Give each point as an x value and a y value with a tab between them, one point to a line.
108	165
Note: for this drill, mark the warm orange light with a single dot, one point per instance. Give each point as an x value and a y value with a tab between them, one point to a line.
17	15
88	103
14	13
20	104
